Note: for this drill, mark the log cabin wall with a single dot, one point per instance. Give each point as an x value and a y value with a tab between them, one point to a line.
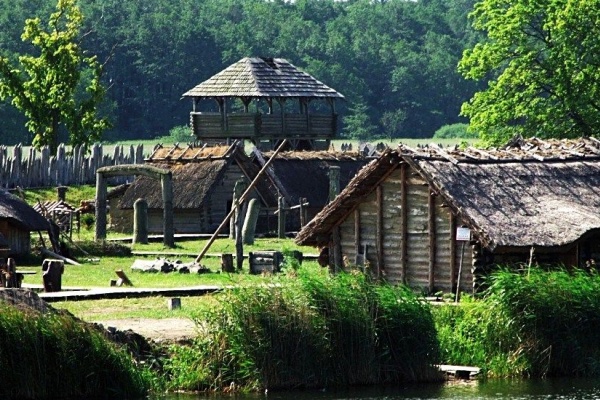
424	231
18	239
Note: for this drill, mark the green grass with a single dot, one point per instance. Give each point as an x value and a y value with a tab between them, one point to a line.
54	355
98	267
73	196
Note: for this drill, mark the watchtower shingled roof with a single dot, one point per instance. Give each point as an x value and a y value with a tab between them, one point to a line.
262	77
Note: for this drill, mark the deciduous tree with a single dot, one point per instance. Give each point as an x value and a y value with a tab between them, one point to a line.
59	88
542	59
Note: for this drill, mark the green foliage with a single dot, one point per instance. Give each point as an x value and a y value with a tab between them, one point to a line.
54	355
455	131
540	60
309	330
179	134
358	125
59	88
534	323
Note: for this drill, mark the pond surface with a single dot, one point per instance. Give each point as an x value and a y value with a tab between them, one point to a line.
563	389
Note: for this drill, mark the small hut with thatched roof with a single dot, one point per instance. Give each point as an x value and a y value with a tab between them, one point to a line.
17	220
203	182
405	213
267	81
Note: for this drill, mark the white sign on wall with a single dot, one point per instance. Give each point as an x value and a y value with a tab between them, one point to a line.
463	234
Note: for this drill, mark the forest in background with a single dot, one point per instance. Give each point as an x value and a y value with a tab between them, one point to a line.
394	60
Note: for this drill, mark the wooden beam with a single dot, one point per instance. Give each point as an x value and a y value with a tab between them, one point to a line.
432	240
356	234
336	259
403	222
242	199
379	229
452	251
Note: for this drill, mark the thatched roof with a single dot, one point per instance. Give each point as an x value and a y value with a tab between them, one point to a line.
306	173
20	213
262	77
529	193
194	176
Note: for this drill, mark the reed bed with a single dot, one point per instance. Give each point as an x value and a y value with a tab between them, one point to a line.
532	323
53	355
309	330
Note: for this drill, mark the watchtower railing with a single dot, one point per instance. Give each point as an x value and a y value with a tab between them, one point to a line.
263	126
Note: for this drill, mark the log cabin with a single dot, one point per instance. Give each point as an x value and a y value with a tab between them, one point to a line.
403	214
17	220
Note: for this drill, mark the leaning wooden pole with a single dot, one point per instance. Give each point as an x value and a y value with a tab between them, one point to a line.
241	200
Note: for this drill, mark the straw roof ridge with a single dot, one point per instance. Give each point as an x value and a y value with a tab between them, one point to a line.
21	213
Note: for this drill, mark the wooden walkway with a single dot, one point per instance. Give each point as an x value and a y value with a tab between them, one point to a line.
70	294
459	371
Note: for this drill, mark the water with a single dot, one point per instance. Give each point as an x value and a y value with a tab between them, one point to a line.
561	389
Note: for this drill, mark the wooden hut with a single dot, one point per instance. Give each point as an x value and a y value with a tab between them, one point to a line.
532	201
17	220
307	175
299	115
203	183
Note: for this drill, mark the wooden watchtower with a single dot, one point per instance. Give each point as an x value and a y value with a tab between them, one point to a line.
246	93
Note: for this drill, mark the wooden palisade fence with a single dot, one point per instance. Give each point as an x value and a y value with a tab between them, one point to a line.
40	169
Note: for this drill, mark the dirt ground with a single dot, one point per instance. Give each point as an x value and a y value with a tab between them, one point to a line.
157	330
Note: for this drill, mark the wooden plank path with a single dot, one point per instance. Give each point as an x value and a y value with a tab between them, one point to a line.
129	292
459	371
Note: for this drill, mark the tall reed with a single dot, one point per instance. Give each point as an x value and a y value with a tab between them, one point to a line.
528	323
56	356
309	330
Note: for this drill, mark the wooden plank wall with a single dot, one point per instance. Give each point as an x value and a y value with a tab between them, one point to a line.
18	239
424	229
32	168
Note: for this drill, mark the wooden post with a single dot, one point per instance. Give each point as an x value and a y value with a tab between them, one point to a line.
100	232
166	181
281	217
227	263
460	265
140	221
249	227
432	240
302	212
334	181
403	223
357	236
379	230
453	252
336	260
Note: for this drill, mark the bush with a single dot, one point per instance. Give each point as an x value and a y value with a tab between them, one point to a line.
454	131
